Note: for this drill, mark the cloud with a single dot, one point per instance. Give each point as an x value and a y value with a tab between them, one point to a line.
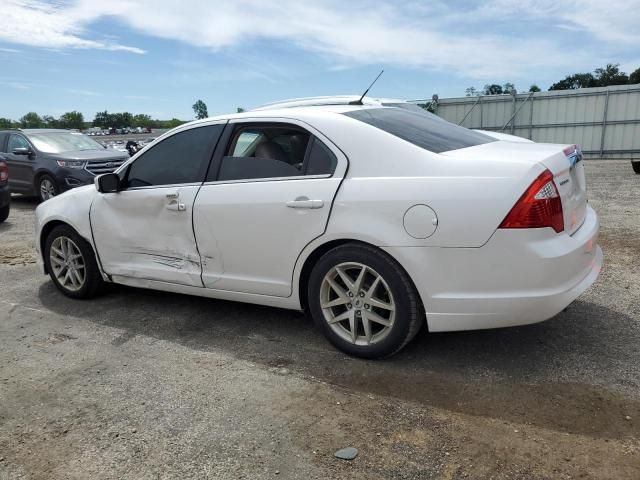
480	40
39	24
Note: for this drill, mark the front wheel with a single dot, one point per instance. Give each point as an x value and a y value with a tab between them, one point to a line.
47	188
636	167
71	263
364	301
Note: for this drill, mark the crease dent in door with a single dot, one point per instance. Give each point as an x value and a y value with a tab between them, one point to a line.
164	258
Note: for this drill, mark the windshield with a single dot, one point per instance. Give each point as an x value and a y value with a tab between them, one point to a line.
420	127
61	142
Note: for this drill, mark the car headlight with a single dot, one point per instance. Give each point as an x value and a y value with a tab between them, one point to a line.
71	163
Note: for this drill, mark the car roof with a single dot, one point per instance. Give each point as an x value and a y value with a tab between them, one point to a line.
327	100
36	130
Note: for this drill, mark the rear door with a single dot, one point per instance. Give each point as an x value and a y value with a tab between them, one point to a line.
145	231
268	197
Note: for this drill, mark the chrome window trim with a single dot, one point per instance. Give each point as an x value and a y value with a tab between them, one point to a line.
268	179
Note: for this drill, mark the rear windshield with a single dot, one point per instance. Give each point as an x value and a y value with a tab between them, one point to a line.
421	128
61	142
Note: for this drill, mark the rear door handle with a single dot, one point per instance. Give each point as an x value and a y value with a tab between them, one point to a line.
304	202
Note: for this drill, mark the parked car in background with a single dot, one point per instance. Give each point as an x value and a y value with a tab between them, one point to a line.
376	219
5	193
46	162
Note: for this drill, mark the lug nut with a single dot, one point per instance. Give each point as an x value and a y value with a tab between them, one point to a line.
351	294
366	306
362	294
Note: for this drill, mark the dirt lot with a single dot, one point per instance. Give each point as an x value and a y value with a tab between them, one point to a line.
141	384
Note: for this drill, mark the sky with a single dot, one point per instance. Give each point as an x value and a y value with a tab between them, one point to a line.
159	56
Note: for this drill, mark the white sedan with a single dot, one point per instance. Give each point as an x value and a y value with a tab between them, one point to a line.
375	217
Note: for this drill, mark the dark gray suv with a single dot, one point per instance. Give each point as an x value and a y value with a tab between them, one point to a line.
46	162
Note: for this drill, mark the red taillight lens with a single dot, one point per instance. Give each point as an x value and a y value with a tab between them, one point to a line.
540	206
4	172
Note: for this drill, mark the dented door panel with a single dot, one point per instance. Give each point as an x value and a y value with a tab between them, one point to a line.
147	233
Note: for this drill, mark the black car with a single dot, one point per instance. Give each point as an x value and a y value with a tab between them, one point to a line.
46	162
5	196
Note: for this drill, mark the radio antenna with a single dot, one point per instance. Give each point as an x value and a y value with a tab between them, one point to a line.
359	102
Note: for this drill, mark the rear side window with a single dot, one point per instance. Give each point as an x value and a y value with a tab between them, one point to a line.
421	129
321	160
180	158
3	138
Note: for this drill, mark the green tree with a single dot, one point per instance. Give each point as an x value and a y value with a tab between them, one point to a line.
471	92
200	109
73	120
31	120
103	120
50	121
174	122
240	110
5	123
492	89
534	88
577	80
610	75
634	77
141	120
509	89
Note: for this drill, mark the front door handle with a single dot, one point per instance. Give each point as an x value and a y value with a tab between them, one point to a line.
304	202
174	203
176	206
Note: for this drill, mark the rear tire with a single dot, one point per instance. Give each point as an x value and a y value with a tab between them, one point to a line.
636	167
4	212
46	188
364	302
72	264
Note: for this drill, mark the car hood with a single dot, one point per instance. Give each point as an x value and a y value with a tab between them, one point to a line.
91	155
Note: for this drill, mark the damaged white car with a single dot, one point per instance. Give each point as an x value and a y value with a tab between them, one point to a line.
377	218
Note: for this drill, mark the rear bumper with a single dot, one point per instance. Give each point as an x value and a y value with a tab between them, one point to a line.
518	277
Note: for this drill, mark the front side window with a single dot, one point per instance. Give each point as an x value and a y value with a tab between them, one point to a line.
265	152
180	158
17	141
424	130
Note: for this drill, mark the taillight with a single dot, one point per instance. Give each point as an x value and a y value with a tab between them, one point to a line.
539	206
4	172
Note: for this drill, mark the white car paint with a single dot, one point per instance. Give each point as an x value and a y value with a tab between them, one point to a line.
238	240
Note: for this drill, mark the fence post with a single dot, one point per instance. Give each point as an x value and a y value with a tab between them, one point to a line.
480	101
513	111
604	123
531	117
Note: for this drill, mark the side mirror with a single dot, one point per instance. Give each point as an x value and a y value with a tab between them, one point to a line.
21	151
108	183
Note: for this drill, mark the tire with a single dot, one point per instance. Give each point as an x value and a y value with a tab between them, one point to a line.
46	187
393	299
636	167
4	212
57	242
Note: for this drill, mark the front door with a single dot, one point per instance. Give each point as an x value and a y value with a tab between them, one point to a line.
271	196
145	231
20	165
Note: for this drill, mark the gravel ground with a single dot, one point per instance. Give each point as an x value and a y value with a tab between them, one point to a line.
140	384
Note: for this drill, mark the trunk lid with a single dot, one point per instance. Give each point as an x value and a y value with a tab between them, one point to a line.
568	172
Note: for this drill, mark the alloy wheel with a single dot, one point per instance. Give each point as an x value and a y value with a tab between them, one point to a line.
47	189
357	303
67	263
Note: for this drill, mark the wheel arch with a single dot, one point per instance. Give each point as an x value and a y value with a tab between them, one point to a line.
317	253
48	227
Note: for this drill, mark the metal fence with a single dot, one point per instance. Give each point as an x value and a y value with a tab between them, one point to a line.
604	121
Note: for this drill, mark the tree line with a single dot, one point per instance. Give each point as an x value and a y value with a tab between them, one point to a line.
600	77
105	120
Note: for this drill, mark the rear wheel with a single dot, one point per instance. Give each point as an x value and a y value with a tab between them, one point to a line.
47	187
71	263
364	302
4	212
636	167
